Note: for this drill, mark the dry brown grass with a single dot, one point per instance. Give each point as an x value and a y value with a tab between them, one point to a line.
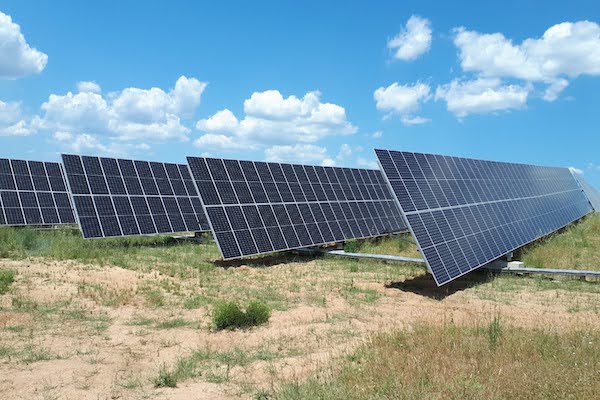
457	362
107	323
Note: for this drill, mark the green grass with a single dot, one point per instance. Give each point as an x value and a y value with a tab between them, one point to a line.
229	315
173	323
398	245
213	366
7	277
455	362
576	247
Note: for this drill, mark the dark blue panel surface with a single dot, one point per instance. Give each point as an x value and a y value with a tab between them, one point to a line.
267	207
27	189
465	213
133	197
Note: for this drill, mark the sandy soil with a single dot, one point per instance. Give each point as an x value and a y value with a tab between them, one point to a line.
95	351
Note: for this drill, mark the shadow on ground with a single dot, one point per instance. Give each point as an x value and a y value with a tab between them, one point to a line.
424	285
268	260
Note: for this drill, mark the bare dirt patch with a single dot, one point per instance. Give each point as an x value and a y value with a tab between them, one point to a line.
75	331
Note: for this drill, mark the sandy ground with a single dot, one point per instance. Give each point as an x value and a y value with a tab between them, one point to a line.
91	350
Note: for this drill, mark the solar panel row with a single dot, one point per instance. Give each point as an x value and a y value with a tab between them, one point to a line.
259	207
591	193
465	213
117	197
33	193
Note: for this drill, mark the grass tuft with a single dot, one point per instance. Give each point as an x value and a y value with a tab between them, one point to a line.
7	277
230	316
166	377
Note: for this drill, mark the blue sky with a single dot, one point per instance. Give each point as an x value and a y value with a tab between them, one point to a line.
312	82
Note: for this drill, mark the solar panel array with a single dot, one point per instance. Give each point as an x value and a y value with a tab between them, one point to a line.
116	197
33	193
465	213
591	193
259	207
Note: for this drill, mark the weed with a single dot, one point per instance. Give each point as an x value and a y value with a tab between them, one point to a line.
154	297
197	301
173	323
230	316
7	277
494	331
165	378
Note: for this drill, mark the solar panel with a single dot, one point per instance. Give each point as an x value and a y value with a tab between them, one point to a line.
33	193
259	207
117	197
591	193
465	213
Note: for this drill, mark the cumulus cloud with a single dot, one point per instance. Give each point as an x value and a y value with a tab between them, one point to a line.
565	50
130	115
345	152
413	40
88	86
272	119
12	120
481	95
366	163
403	100
86	143
377	134
17	58
299	153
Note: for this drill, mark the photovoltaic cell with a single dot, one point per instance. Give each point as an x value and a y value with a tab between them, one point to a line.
259	207
33	193
117	197
465	213
591	193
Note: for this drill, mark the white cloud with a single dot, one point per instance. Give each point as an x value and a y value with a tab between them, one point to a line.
576	170
345	152
86	143
12	121
17	58
593	167
481	95
366	163
221	142
402	99
554	89
299	153
565	50
272	119
377	134
130	115
221	122
413	40
88	86
408	120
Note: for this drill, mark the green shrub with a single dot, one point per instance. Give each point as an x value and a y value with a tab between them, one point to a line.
352	246
7	277
257	313
230	315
